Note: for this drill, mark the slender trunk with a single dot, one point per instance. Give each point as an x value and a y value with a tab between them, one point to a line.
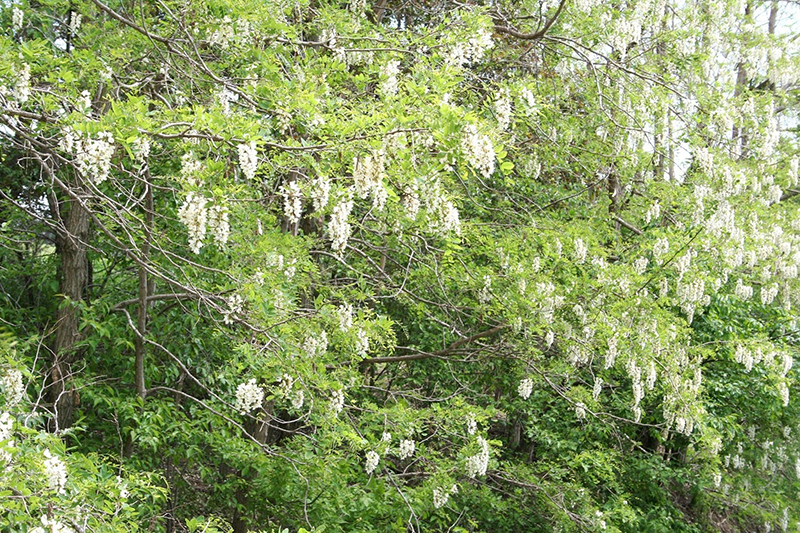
73	276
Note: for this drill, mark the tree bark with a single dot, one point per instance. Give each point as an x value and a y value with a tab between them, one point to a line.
71	247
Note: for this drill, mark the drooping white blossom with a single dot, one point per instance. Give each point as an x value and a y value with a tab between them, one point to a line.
479	150
338	227
56	472
92	155
389	74
502	109
249	396
298	398
372	461
316	345
407	447
13	387
476	465
219	224
337	401
194	215
17	17
320	191
525	388
234	310
470	51
248	159
345	315
141	149
292	201
362	343
22	88
368	176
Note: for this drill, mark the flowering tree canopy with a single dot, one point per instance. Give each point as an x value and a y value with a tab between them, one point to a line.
510	266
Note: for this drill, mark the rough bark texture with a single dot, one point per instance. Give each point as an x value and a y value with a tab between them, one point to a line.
73	277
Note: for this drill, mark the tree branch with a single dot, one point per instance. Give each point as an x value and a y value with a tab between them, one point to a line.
439	353
537	34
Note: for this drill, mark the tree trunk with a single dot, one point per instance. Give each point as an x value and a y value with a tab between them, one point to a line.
71	242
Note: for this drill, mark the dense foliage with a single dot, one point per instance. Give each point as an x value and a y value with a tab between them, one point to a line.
521	266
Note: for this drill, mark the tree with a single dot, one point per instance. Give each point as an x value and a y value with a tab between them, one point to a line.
427	265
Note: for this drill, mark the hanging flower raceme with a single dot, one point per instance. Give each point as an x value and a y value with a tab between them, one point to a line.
249	396
478	150
338	227
92	155
194	215
248	159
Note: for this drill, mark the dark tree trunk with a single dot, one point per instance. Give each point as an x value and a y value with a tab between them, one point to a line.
71	242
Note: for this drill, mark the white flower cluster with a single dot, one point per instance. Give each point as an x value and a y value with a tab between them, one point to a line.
362	343
17	16
193	215
51	525
525	388
92	156
14	388
141	149
485	292
472	426
226	97
235	306
190	168
471	51
6	425
320	191
742	291
316	345
580	251
56	472
286	383
338	227
75	22
219	224
372	461
22	88
705	159
248	159
783	390
768	294
407	447
478	150
224	33
477	464
580	410
292	202
249	396
691	295
502	109
441	495
337	401
298	398
345	315
368	175
389	74
597	388
442	213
